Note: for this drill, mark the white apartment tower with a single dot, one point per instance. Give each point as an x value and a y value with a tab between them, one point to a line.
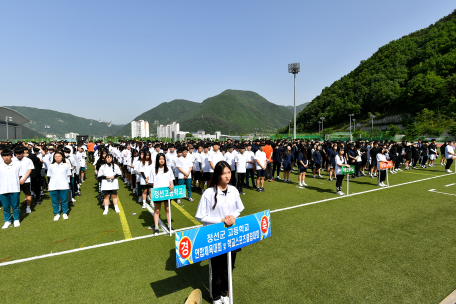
168	130
139	129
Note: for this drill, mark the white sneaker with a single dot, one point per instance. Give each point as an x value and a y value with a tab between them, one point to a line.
17	223
384	185
320	176
105	211
225	300
178	201
65	216
6	225
448	171
300	185
144	205
304	184
218	302
278	177
73	200
191	199
140	200
116	208
339	193
57	217
28	210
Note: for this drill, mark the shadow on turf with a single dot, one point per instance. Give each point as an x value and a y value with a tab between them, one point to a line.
194	276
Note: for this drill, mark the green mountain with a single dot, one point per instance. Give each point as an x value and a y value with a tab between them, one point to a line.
406	75
30	134
61	123
298	108
238	111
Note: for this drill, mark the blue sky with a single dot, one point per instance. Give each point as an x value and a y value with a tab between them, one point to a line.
118	59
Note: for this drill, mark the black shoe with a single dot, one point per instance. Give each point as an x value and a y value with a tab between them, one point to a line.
39	203
258	189
156	231
262	189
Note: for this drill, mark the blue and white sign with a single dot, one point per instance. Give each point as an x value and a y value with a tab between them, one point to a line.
206	242
163	194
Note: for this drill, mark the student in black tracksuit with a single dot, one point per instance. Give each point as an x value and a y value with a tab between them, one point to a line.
277	159
415	155
424	154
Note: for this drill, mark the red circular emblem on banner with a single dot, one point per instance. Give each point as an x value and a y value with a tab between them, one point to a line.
264	224
185	247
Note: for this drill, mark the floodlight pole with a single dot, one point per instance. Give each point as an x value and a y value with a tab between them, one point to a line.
46	127
294	68
351	115
372	117
319	126
354	125
7	119
322	118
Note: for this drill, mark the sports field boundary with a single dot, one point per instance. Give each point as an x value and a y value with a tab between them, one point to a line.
188	228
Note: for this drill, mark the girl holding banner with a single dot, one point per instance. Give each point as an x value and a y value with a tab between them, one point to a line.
221	202
159	177
341	161
382	157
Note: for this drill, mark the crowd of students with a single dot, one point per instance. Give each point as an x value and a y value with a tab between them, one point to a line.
59	167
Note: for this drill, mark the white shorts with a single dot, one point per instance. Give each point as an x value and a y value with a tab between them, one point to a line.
432	156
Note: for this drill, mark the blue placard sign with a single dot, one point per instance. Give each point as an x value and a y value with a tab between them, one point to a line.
163	194
206	242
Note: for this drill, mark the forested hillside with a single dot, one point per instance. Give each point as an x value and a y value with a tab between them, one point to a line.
408	75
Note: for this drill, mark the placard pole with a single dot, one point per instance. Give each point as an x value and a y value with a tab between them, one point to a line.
387	180
348	182
169	222
230	278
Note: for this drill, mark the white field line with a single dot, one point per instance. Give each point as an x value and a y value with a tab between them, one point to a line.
450	185
187	228
433	190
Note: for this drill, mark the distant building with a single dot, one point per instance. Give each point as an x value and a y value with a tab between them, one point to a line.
139	129
71	135
169	131
51	136
15	120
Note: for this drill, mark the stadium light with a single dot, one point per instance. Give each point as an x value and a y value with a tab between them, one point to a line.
322	118
351	115
7	119
46	127
294	68
372	117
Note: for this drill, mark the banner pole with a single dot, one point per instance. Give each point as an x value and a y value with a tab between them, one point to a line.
387	180
169	222
348	182
230	278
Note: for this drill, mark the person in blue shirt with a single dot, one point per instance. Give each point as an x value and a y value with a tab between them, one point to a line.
303	163
317	161
287	160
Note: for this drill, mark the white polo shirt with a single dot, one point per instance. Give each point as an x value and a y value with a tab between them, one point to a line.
60	176
229	204
229	158
26	164
250	157
142	168
196	161
261	157
449	149
215	157
184	163
161	179
241	162
340	161
205	161
106	170
9	177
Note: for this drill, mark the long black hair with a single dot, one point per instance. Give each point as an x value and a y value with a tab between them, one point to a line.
218	171
112	160
157	165
61	153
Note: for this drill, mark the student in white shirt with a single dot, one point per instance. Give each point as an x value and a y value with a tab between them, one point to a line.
10	174
27	167
215	157
241	164
341	161
161	176
109	172
221	202
81	156
206	166
250	167
185	167
198	167
449	155
382	156
59	173
229	158
142	174
261	162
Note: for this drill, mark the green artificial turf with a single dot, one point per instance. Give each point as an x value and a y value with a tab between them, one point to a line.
394	245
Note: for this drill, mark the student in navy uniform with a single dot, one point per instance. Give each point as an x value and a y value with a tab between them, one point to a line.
317	161
220	203
287	161
10	174
303	163
277	159
433	153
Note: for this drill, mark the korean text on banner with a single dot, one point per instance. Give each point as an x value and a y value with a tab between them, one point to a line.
206	242
386	165
348	170
163	194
